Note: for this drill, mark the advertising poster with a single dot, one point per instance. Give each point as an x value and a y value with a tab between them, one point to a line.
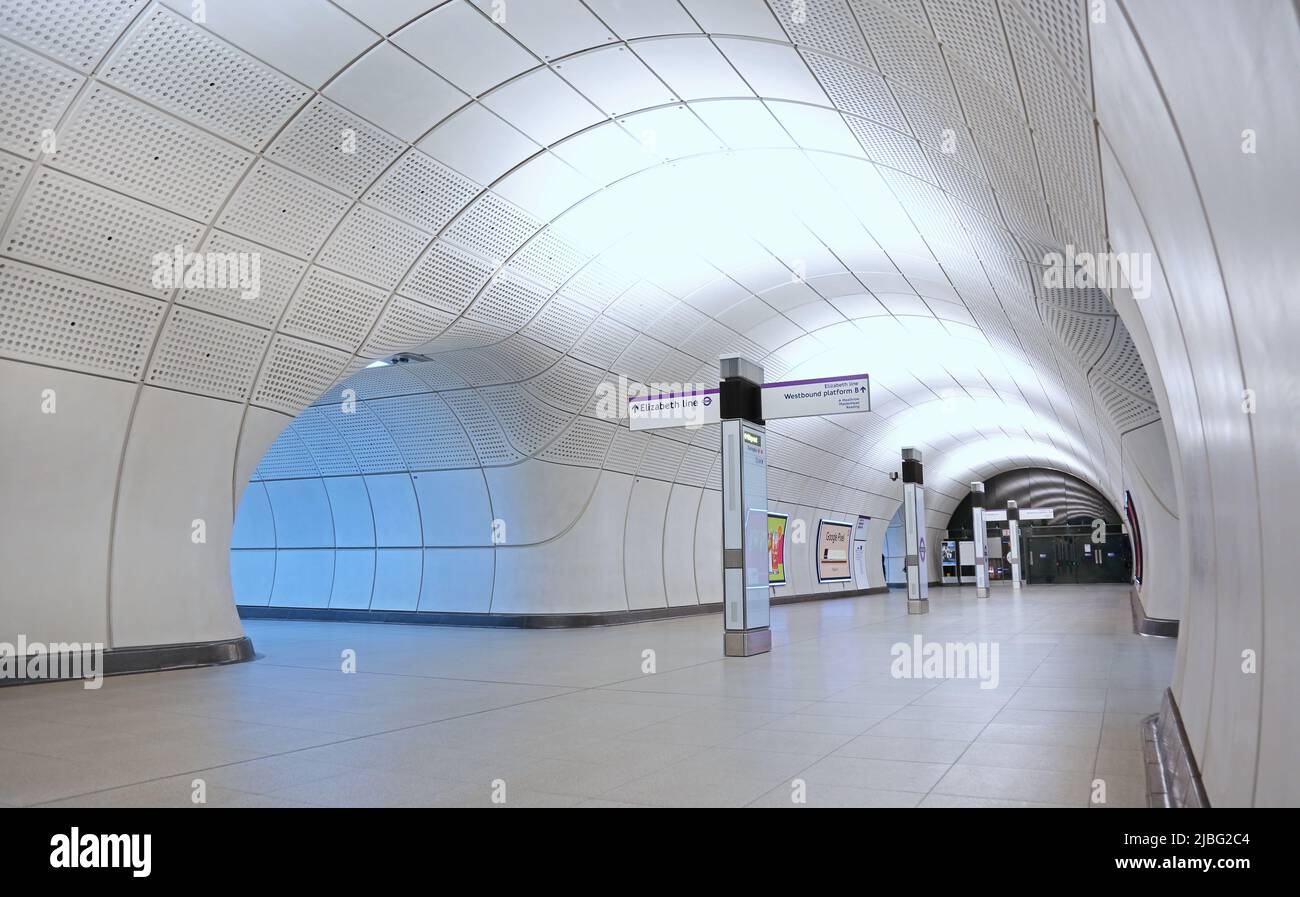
833	540
776	548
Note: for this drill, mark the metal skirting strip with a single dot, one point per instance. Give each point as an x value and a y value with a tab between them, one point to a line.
1173	778
826	596
517	621
153	659
1152	626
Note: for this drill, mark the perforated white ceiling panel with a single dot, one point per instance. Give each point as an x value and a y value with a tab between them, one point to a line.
551	193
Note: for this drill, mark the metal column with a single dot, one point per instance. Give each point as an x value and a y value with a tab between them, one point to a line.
918	585
980	531
744	509
1013	524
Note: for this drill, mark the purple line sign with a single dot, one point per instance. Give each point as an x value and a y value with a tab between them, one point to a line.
695	407
817	396
688	408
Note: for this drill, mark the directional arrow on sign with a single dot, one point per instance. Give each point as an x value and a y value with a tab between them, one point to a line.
789	398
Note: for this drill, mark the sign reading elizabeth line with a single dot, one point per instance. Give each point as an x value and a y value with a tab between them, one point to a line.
789	398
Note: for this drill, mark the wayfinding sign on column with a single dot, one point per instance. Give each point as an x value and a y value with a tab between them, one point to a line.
746	558
849	394
820	395
673	409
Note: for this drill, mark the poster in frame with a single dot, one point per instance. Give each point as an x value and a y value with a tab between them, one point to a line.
776	526
834	537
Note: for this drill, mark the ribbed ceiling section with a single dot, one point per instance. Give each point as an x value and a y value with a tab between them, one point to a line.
540	196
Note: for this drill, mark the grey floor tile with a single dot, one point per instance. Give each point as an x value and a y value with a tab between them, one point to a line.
964	802
947	714
1120	762
816	795
1038	785
1079	719
437	714
1065	736
672	788
921	728
916	750
787	742
857	772
1122	791
601	803
177	792
822	723
1030	756
373	788
268	773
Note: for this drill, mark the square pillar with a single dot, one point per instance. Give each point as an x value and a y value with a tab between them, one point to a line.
747	612
980	535
918	580
1013	525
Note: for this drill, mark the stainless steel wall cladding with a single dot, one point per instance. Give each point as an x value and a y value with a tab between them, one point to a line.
1173	778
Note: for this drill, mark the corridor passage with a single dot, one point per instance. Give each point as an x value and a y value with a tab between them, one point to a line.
451	716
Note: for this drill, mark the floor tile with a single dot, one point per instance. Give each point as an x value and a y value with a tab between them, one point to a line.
1039	785
437	715
917	750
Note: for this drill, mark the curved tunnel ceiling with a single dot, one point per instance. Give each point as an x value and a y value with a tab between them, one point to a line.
538	195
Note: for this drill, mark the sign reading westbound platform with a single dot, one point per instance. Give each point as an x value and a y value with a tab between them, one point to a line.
820	395
789	398
1025	514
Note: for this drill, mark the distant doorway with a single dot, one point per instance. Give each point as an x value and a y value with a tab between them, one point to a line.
1069	554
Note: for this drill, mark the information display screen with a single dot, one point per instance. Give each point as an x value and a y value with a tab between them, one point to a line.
833	540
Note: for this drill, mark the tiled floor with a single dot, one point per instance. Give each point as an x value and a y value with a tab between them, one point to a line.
456	716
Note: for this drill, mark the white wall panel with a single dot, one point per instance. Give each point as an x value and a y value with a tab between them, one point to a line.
354	579
875	552
55	587
643	549
457	580
176	470
801	561
1209	214
538	500
397	516
252	574
397	579
454	507
679	544
708	548
254	522
260	431
580	571
302	514
1148	476
354	524
304	577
